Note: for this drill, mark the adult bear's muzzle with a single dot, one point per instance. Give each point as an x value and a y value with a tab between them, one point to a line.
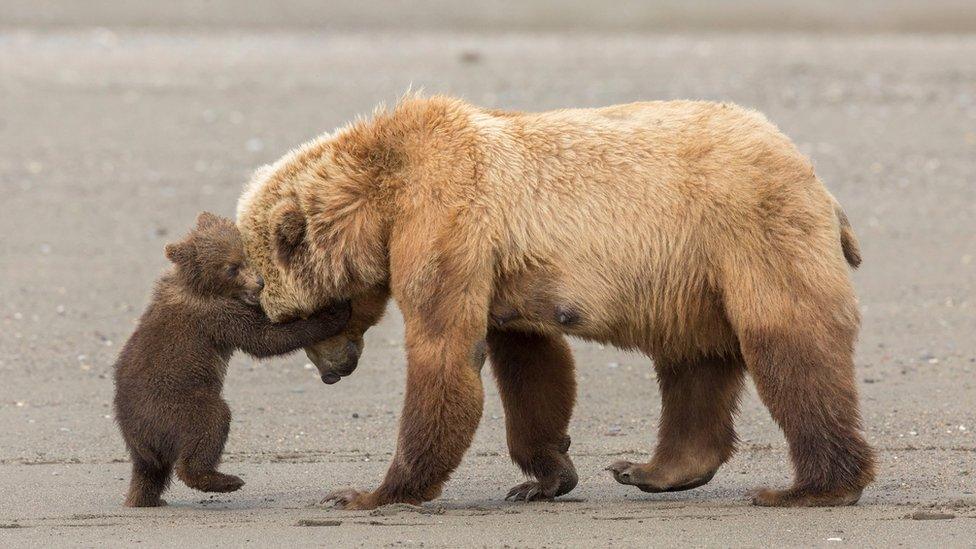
336	357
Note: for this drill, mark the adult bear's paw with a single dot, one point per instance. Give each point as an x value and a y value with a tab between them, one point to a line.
350	499
540	490
651	478
560	479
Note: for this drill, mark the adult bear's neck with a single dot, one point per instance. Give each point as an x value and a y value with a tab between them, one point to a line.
395	167
416	151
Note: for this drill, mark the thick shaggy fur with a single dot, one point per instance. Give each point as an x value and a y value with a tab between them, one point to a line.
692	231
170	373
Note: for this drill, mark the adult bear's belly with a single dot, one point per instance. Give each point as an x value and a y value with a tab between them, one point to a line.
657	311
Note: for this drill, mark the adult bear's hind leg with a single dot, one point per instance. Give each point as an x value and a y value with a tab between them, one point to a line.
537	383
809	387
798	345
696	433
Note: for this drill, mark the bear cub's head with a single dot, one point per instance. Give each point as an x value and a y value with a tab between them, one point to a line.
210	261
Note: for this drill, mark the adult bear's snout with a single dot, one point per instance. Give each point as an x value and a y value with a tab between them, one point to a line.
330	377
335	358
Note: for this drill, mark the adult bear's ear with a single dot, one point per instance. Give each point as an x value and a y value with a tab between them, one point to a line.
207	219
287	231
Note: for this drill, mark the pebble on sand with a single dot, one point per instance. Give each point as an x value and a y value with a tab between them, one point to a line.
930	515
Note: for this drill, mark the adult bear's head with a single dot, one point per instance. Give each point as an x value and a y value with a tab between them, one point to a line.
314	226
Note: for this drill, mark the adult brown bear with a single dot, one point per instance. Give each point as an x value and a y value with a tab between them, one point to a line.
692	231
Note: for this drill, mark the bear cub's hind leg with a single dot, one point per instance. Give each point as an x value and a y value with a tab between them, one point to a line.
201	451
148	482
696	434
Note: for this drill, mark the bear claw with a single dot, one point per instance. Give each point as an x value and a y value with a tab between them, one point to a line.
560	481
529	491
350	499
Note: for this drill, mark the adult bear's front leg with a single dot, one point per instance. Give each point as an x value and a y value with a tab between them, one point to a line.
443	289
441	411
537	383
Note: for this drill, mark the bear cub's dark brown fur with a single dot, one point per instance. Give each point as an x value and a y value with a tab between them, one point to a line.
170	374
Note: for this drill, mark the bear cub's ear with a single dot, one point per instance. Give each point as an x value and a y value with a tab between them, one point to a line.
288	231
206	220
179	252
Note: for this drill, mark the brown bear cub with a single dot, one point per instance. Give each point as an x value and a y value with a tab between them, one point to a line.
169	376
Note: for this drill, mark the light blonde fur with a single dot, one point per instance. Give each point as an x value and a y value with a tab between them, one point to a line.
684	229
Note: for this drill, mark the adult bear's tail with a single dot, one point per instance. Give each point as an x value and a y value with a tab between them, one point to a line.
848	242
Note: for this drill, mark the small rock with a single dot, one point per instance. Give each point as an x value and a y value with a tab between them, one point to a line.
355	415
930	515
318	522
